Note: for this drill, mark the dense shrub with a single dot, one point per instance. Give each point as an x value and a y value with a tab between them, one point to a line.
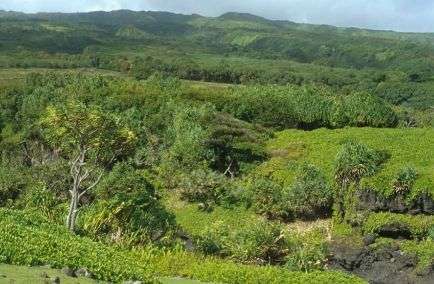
268	198
13	181
29	240
127	209
308	197
361	110
203	185
259	242
38	198
305	107
353	162
404	181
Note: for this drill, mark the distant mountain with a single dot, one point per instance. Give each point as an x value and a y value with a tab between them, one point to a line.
231	33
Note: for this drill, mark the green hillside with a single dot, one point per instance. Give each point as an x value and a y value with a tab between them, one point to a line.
406	148
233	48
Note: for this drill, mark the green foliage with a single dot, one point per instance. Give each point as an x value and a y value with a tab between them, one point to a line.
293	148
355	161
13	182
424	250
127	209
309	252
311	196
76	126
203	186
259	242
269	199
41	200
361	110
30	240
189	135
405	180
308	197
418	225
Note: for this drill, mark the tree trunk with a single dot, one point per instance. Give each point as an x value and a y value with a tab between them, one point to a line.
79	174
72	212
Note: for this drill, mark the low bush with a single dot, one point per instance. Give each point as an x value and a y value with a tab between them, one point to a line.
27	239
127	209
268	198
258	242
309	252
13	182
202	185
308	197
405	180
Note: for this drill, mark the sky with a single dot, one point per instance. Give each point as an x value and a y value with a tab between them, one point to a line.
398	15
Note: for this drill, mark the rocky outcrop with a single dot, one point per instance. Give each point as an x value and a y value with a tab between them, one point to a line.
386	266
371	201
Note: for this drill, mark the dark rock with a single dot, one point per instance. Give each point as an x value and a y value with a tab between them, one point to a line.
369	239
83	272
387	265
68	272
55	280
371	201
427	203
395	231
345	257
187	240
398	204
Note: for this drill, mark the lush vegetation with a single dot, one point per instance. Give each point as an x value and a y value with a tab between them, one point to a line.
117	157
31	240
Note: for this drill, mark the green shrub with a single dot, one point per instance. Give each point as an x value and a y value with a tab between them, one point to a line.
28	239
424	250
258	242
13	181
310	196
127	209
308	252
361	110
39	198
405	180
353	162
268	198
203	185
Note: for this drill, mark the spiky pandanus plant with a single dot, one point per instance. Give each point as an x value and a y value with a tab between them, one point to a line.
354	162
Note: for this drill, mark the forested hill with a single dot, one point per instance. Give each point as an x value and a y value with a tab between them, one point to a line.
212	49
232	32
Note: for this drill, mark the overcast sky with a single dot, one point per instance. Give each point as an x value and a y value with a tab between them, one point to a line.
401	15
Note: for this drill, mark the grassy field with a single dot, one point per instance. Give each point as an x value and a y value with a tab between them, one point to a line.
37	275
407	147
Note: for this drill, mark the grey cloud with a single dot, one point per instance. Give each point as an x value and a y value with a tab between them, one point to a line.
402	15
